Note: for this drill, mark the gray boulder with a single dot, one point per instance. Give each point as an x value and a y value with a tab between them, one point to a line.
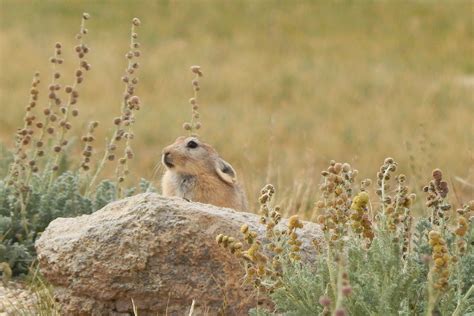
160	252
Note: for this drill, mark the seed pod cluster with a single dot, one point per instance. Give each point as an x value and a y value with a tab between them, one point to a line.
346	289
383	176
360	221
326	302
334	208
253	258
24	138
268	216
195	124
131	103
294	223
69	109
230	243
263	262
47	125
398	208
437	191
465	218
441	259
88	140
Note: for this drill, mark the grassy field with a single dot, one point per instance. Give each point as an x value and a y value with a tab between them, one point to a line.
288	85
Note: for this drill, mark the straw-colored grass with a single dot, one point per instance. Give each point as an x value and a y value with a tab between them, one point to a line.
289	84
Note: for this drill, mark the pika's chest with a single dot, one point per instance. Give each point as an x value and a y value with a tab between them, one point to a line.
185	186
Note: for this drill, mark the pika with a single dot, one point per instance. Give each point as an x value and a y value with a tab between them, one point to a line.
194	171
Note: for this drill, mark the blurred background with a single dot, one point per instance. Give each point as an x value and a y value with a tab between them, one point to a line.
287	86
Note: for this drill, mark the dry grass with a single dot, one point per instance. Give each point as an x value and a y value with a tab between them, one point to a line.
288	86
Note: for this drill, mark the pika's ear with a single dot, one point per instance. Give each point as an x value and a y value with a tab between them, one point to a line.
225	171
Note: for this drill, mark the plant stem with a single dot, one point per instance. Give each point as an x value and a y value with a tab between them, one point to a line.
101	164
457	311
431	295
339	285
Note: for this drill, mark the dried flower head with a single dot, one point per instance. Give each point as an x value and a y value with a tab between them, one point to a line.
88	148
333	209
441	259
437	191
325	301
360	221
136	22
194	124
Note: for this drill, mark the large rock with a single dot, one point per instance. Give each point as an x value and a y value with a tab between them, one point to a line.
160	252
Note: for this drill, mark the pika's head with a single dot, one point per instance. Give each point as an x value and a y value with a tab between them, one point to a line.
190	156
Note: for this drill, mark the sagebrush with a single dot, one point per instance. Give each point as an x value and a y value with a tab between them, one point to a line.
40	180
376	258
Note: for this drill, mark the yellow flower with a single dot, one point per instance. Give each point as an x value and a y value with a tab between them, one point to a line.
294	222
360	200
434	235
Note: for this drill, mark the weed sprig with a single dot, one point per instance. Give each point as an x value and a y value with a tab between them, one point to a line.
124	123
193	126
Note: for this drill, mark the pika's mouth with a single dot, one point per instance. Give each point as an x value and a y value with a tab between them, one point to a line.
167	160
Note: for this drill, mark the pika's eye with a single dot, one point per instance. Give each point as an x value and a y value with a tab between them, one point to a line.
191	144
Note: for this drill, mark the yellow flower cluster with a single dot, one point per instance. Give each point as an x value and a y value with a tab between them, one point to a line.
249	236
256	261
234	246
269	216
461	231
293	224
441	260
462	226
360	221
464	214
334	208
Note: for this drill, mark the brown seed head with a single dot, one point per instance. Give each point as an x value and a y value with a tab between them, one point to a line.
197	70
346	290
437	174
325	301
136	21
340	312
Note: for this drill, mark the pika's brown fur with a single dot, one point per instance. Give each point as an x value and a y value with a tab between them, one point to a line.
197	173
